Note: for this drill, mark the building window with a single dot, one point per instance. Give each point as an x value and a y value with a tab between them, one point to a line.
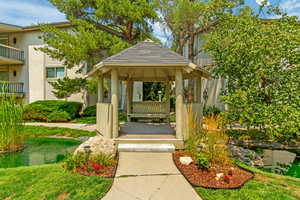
55	72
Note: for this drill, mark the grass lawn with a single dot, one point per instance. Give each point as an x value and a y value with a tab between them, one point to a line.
50	182
264	186
85	120
40	131
92	119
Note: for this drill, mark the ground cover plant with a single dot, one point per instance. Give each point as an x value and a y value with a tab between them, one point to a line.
52	111
11	124
50	182
43	131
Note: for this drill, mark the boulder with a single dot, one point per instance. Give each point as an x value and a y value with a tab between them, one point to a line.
277	158
246	156
97	145
185	160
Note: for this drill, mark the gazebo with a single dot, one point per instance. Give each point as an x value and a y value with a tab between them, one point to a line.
148	62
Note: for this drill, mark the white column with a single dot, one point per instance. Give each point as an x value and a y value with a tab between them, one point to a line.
179	103
115	102
129	90
100	89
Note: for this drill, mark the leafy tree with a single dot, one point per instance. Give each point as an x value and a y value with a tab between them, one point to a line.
261	61
150	90
99	29
188	18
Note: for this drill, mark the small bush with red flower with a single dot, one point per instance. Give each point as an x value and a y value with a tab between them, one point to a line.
92	165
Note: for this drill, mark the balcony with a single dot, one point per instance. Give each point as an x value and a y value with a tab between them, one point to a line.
10	55
12	88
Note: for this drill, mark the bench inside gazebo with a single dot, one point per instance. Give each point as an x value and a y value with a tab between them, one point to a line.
148	62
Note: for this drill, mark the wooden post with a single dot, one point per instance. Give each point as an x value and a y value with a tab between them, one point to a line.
100	89
129	89
168	89
198	90
179	103
115	102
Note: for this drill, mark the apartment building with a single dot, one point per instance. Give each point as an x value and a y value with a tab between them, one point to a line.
27	72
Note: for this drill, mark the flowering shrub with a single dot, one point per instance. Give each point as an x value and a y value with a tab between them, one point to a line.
97	167
226	179
89	164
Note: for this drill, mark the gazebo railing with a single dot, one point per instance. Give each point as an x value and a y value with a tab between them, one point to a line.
150	107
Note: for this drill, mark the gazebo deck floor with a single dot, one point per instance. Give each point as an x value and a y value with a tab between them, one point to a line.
146	130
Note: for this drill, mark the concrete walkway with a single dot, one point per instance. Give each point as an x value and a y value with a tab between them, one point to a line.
149	176
86	127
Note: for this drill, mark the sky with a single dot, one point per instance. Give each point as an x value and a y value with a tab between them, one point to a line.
30	12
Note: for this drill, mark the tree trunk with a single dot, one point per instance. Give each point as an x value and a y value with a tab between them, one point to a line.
191	58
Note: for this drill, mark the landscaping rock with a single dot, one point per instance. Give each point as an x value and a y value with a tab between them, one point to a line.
185	160
246	156
219	175
98	144
275	158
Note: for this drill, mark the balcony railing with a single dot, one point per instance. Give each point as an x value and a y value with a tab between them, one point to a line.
11	53
11	87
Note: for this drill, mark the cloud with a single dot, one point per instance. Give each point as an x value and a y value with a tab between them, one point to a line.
260	2
162	33
29	12
292	7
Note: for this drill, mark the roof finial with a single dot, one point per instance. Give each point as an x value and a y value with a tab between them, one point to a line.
148	40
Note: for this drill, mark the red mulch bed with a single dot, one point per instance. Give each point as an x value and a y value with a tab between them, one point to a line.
207	178
107	172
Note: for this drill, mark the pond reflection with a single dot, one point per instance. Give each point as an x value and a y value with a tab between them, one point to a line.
39	151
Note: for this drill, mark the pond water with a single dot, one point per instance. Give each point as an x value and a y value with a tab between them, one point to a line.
294	170
39	151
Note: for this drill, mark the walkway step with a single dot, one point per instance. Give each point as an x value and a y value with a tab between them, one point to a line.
146	148
178	143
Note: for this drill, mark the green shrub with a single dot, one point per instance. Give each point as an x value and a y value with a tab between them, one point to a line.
31	113
75	161
103	159
89	111
59	116
40	110
201	161
211	110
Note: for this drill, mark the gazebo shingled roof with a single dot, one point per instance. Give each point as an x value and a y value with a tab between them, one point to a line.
147	52
148	55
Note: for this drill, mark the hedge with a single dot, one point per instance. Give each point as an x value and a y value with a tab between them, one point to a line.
90	111
42	110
